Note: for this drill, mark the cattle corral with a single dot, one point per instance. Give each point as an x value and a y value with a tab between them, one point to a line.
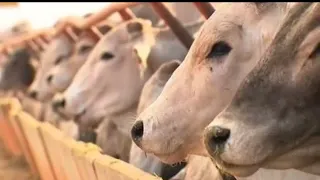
88	98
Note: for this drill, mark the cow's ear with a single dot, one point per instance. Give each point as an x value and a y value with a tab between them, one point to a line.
134	29
142	36
104	28
166	70
137	28
142	49
170	66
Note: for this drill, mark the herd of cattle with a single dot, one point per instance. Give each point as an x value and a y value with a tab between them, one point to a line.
241	103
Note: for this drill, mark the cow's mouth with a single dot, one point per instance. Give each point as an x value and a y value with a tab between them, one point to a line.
174	157
225	176
62	116
82	120
229	171
276	160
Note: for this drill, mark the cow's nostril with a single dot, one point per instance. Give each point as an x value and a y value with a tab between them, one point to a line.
33	94
137	132
59	103
49	79
217	137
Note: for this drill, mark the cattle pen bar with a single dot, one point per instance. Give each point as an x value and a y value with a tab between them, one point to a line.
25	39
68	24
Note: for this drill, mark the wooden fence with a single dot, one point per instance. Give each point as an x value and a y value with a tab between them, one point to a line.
55	156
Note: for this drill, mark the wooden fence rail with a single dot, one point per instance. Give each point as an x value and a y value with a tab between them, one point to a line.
53	155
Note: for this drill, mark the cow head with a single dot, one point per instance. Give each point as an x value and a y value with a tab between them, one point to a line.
150	92
18	71
273	119
56	52
60	63
62	72
109	82
228	45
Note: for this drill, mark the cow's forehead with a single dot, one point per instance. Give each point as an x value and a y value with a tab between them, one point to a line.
56	47
115	38
220	26
230	15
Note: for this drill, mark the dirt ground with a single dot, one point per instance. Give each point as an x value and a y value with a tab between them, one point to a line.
13	168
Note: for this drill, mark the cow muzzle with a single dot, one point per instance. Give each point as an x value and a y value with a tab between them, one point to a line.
216	138
137	132
58	104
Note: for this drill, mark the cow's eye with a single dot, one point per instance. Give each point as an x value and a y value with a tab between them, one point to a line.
84	49
59	60
107	56
315	52
219	49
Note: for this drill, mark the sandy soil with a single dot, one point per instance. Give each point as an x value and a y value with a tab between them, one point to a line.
12	168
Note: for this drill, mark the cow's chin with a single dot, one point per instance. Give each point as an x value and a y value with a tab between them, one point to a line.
172	158
88	122
235	170
289	160
297	158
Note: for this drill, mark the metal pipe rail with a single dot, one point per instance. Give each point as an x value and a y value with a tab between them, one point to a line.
67	26
71	25
89	22
205	8
95	18
24	39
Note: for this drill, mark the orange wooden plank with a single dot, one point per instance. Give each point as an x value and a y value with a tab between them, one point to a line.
108	167
84	155
77	152
8	4
23	143
51	137
2	134
9	137
3	102
30	128
66	145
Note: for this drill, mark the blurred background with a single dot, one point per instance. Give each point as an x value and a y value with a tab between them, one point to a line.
42	14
